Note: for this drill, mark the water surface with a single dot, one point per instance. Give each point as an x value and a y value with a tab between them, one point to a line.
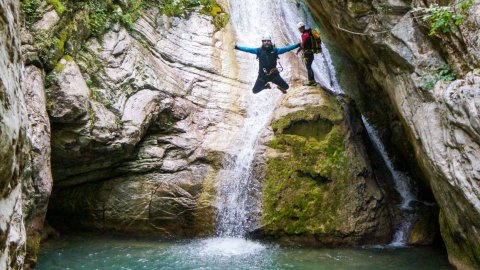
120	253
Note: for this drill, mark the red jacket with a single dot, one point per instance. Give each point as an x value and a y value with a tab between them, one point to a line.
305	39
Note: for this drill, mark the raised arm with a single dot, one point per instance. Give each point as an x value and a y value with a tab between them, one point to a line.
289	48
246	49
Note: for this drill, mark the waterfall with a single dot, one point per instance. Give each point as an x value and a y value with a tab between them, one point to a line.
250	19
402	185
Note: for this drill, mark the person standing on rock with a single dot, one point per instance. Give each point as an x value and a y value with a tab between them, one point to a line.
267	56
309	49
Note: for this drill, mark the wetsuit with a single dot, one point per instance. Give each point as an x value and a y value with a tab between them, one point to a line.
267	68
308	57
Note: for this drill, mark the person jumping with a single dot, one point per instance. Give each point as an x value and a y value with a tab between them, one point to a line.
267	56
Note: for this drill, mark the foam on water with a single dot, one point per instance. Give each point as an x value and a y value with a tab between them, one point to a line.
228	246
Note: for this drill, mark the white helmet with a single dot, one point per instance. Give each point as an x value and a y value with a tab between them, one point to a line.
300	24
266	37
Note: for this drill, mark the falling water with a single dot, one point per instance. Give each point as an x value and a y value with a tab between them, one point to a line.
402	185
250	19
323	67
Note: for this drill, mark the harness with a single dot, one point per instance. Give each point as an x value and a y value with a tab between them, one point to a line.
268	61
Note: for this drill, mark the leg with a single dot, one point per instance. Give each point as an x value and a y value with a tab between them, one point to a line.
308	62
259	85
281	83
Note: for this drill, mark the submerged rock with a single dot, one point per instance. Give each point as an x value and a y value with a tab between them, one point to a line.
319	187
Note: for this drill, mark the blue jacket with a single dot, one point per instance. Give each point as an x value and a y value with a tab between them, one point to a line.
279	50
267	58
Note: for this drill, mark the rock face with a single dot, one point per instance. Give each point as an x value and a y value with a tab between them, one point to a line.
397	58
140	123
14	146
308	194
36	188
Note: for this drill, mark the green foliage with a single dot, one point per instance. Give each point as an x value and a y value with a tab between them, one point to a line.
181	8
30	11
102	14
444	73
98	17
444	19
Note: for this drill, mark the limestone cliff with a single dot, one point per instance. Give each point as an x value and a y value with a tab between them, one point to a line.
140	115
410	75
14	145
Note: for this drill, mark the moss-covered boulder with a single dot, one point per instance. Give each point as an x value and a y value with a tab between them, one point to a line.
318	184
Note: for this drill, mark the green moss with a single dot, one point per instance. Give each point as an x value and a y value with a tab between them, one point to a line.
307	187
220	20
205	210
59	67
33	248
58	5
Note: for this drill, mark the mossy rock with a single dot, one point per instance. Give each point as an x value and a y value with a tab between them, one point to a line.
315	186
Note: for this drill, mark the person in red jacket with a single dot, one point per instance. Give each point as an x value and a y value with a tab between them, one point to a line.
308	55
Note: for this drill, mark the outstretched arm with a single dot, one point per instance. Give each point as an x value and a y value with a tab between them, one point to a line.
246	49
289	48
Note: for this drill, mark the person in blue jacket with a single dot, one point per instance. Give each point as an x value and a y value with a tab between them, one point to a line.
267	56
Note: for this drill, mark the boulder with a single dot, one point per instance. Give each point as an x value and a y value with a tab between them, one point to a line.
319	186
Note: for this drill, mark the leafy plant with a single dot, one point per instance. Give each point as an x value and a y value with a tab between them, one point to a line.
444	19
176	8
443	73
98	17
30	11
